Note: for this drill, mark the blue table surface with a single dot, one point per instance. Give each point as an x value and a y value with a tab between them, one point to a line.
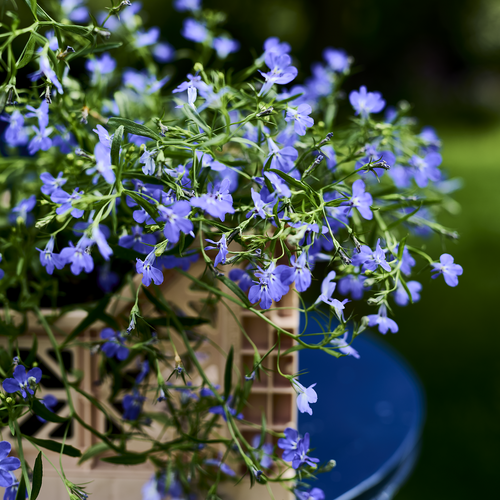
368	417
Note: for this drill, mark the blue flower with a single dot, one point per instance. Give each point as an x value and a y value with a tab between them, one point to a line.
184	263
144	371
352	284
314	494
15	133
282	159
342	345
281	71
382	321
298	273
425	169
261	208
366	102
264	453
41	140
176	222
99	238
103	165
331	158
360	200
274	46
49	402
260	292
22	211
132	405
221	410
301	118
104	138
280	186
66	200
115	345
327	287
448	269
187	5
242	278
107	280
192	85
401	295
223	467
407	262
11	491
225	46
273	276
137	240
304	397
371	260
300	456
194	30
49	259
100	66
217	201
146	38
206	160
149	273
22	382
289	444
65	141
74	10
337	59
147	159
49	73
7	464
78	256
42	113
221	245
143	82
163	52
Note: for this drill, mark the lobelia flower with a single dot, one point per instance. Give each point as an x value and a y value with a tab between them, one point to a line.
146	38
78	256
273	275
342	345
281	71
147	159
430	139
426	169
132	405
260	292
115	345
65	141
15	134
41	140
49	259
221	410
242	278
384	323
224	46
221	245
300	456
176	221
194	31
163	52
74	10
401	295
274	46
144	366
42	113
371	260
360	200
327	287
143	82
331	157
289	444
282	159
7	464
184	263
300	117
205	160
149	273
104	138
261	208
374	156
100	239
103	165
2	272
100	66
21	212
222	466
314	494
107	280
263	453
11	491
298	273
304	397
192	85
50	74
22	382
50	402
407	261
337	59
187	5
217	201
365	102
352	284
281	189
138	241
448	269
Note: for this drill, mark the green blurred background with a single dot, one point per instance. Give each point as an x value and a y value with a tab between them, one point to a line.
444	58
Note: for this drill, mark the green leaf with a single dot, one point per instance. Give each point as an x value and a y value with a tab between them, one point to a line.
93	451
115	146
54	446
291	180
32	354
94	50
196	118
126	459
42	411
37	477
21	490
133	128
228	373
77	30
28	52
150	209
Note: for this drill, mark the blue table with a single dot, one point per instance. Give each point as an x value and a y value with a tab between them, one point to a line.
368	418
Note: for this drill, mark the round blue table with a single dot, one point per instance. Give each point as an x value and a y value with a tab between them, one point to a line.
368	418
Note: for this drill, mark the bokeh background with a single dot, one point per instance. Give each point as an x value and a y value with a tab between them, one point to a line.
444	59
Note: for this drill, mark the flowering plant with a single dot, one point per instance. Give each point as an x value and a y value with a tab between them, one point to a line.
109	172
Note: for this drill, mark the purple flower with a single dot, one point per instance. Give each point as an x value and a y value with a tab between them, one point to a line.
184	263
143	82
327	287
175	220
301	118
282	159
132	405
42	113
78	256
66	200
107	280
300	456
401	295
104	138
304	397
274	46
225	46
352	284
366	102
149	273
242	278
137	240
260	292
100	239
314	494
263	453
289	444
192	85
282	72
298	273
261	208
187	5
205	160
144	366
448	269
426	168
221	245
337	59
100	66
65	141
223	467
217	201
22	382
281	187
407	262
7	464
194	31
22	211
360	200
74	10
221	410
148	161
15	133
384	323
163	52
371	260
50	402
49	73
114	345
49	259
146	38
41	140
273	276
342	345
331	157
103	165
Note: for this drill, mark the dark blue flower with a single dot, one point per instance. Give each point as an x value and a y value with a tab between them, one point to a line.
300	117
289	444
365	102
448	269
132	406
225	46
78	256
401	295
217	201
41	140
301	457
221	410
314	494
49	259
176	221
337	59
15	133
382	321
221	245
22	211
194	30
242	278
298	273
114	345
281	71
138	241
22	382
50	402
7	464
149	273
66	201
222	466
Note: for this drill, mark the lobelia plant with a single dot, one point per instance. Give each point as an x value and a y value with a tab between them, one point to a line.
115	166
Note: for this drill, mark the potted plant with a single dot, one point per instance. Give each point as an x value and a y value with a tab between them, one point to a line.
158	232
